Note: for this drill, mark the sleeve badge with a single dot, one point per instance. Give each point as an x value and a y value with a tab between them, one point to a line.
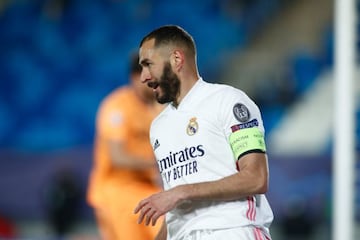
241	112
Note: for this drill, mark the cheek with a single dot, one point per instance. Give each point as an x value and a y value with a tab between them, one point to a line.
156	73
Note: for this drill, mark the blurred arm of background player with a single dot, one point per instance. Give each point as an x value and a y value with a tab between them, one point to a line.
121	158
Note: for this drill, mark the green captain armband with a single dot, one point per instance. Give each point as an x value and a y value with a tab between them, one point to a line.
248	139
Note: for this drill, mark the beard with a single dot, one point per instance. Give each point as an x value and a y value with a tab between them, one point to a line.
169	84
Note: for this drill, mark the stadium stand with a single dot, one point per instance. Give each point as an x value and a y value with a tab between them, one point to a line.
59	58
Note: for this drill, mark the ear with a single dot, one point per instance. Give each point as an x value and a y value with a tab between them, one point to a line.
177	59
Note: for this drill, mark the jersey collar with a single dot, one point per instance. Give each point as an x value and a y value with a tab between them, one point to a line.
191	96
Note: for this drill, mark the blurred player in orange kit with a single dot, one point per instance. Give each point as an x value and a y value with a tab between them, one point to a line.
124	170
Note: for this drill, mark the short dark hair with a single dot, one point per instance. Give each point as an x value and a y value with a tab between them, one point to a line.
135	67
171	34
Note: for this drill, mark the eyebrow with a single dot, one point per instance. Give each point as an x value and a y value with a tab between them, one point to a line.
144	61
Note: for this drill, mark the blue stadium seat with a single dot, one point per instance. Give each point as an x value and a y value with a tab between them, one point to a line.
7	120
306	68
46	135
70	63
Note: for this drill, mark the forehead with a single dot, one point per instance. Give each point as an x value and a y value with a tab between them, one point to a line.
147	50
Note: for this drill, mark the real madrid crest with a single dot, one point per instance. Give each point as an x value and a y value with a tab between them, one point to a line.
192	127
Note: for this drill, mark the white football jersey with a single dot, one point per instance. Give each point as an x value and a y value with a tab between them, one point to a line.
191	144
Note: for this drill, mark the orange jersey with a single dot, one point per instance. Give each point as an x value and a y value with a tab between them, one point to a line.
124	118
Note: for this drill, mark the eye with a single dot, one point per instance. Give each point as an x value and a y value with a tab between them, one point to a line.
145	64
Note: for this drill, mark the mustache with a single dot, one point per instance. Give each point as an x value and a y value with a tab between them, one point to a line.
153	85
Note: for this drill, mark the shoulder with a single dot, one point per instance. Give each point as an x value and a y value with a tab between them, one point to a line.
233	101
116	97
114	103
224	92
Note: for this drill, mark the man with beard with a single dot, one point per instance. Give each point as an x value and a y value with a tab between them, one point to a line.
210	148
124	168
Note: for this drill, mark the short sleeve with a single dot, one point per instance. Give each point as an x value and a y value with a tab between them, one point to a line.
241	118
111	121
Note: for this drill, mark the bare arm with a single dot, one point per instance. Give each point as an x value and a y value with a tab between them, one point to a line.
251	179
121	158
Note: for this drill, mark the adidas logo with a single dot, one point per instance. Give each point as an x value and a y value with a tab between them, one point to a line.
156	144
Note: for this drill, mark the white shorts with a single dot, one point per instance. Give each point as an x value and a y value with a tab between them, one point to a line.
241	233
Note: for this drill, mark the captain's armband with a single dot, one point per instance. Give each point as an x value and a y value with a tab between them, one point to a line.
247	140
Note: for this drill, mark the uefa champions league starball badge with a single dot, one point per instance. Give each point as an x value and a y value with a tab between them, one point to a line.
241	112
192	127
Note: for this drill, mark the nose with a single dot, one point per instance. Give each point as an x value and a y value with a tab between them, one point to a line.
145	75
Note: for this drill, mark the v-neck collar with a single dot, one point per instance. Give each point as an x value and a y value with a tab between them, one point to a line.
188	98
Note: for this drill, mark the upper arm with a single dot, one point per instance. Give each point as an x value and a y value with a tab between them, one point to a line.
242	124
111	122
255	163
112	127
255	167
116	149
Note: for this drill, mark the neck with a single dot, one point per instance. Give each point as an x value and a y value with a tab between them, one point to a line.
186	84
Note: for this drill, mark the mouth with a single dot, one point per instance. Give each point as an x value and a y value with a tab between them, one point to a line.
153	85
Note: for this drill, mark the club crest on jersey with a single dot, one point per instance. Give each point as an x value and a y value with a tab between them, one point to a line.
241	112
192	127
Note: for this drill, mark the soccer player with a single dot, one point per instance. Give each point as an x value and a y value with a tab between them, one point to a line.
124	170
209	146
